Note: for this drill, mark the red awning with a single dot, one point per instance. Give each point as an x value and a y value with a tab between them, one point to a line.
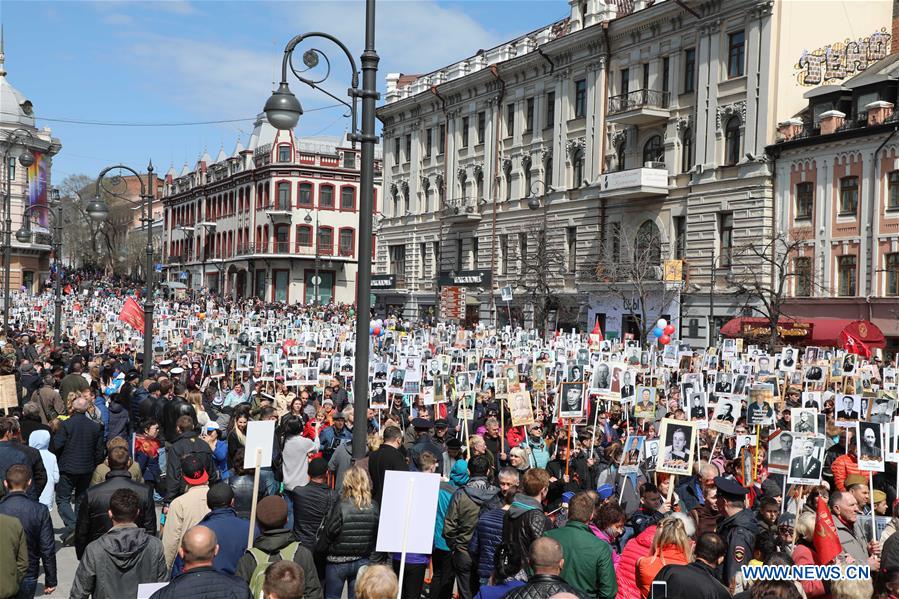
807	331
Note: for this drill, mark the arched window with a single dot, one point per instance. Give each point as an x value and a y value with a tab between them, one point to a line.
348	198
326	241
653	151
548	172
463	180
304	199
648	244
577	168
346	242
479	183
687	151
326	197
732	141
426	194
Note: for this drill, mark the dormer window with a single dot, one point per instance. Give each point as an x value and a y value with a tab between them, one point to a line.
284	152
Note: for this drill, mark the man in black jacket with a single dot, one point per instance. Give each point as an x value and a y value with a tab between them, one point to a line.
172	410
311	503
35	520
526	517
188	441
93	511
200	579
697	580
79	446
387	457
546	561
13	451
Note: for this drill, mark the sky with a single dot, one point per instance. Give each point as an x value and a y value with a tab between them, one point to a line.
182	61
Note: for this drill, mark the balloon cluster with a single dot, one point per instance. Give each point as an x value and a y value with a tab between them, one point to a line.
663	331
376	328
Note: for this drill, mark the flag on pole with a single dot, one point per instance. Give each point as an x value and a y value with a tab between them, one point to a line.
854	346
132	314
826	542
597	330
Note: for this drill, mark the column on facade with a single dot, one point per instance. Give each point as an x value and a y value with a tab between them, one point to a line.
758	80
707	55
824	199
596	78
560	133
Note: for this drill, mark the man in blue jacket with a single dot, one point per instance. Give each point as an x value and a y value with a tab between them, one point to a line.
35	520
441	559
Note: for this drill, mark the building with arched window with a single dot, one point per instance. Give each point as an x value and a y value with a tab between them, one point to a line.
276	219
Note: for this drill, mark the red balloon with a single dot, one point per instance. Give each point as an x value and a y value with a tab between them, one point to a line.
664	339
377	331
669	330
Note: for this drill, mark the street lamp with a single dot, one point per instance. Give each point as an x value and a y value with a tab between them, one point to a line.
283	111
98	210
316	280
23	235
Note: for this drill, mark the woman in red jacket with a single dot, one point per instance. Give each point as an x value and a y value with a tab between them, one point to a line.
804	554
636	548
671	545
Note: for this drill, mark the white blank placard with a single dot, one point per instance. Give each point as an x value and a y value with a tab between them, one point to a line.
397	511
260	435
146	589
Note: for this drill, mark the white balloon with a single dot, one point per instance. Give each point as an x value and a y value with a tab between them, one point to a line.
661	323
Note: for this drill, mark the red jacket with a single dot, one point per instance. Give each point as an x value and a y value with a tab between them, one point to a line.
844	466
649	566
814	589
636	548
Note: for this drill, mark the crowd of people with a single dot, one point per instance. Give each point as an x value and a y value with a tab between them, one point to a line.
570	466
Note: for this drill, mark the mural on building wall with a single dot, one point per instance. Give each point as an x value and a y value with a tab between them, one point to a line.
840	60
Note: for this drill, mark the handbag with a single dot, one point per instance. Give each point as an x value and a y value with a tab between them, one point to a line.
319	543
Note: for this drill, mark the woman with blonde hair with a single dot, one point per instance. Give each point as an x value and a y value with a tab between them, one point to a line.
671	545
195	398
804	553
349	534
520	458
376	582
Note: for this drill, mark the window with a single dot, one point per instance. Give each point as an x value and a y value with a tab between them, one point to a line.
571	247
482	126
625	81
397	255
283	196
349	160
408	147
666	73
848	196
736	50
725	239
893	191
464	131
732	141
326	197
621	155
304	199
346	242
284	153
548	171
580	98
347	198
687	151
429	142
422	259
846	267
648	244
508	178
653	151
435	252
510	120
426	193
645	75
577	164
522	251
550	109
396	150
529	115
616	242
803	271
689	70
693	328
892	268
326	241
473	257
304	235
680	237
441	141
479	185
459	254
528	175
805	199
503	254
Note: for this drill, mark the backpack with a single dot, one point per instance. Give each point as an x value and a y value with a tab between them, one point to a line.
507	554
263	560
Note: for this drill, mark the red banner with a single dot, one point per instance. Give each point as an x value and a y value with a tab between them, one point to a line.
132	314
826	542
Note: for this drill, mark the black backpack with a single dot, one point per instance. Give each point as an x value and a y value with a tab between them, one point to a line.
507	558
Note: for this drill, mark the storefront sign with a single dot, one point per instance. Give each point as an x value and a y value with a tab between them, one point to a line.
383	281
793	329
465	278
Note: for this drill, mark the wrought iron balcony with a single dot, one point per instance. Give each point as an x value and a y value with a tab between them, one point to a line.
639	107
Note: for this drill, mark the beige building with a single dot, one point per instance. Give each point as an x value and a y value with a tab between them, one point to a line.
637	130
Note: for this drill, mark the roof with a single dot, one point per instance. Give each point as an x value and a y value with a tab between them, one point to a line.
15	108
882	70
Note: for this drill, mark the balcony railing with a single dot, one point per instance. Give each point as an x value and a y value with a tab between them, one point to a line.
345	251
641	98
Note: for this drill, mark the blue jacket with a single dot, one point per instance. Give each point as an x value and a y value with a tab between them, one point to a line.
689	494
220	453
35	519
79	444
204	583
231	533
498	591
458	478
488	534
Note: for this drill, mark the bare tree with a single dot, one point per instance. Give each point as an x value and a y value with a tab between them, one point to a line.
539	271
631	268
762	273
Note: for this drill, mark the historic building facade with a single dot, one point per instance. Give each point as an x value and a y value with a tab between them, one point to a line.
582	156
30	262
276	220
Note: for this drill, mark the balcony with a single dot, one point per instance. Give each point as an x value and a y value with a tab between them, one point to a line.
463	210
635	183
640	107
279	212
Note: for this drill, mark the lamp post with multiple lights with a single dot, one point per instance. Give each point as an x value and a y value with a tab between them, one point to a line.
283	111
98	210
13	146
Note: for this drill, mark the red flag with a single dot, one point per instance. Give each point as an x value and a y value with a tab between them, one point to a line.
68	290
854	346
597	331
826	542
132	314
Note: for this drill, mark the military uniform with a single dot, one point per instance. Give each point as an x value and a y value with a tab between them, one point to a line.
738	531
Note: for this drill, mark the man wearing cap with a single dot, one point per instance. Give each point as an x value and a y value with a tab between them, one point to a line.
738	529
187	443
334	435
312	502
230	530
188	509
424	443
278	543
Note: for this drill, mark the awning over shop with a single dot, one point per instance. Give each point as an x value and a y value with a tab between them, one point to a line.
810	331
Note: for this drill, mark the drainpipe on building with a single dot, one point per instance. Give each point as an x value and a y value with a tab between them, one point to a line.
499	113
602	141
439	256
872	210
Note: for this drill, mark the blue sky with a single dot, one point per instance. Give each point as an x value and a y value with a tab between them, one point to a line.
183	61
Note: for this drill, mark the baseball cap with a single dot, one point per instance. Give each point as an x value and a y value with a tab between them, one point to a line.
193	470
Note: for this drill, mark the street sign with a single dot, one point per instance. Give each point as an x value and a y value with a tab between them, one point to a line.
506	293
316	280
